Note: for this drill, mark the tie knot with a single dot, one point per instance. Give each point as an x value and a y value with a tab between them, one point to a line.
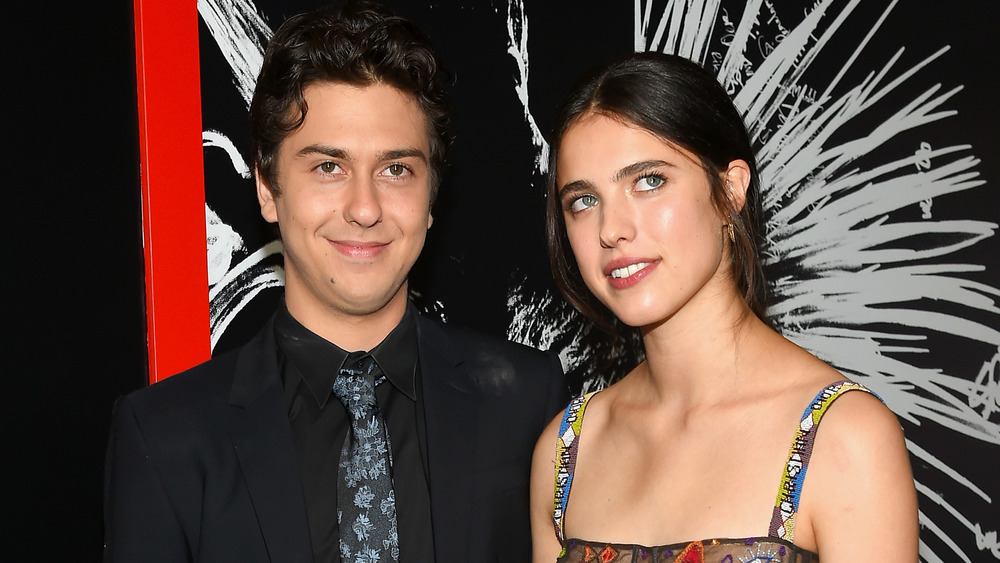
355	384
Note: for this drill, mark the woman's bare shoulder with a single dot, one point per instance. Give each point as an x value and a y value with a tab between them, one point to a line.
859	489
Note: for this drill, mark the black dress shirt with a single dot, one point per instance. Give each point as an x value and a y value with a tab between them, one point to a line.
320	424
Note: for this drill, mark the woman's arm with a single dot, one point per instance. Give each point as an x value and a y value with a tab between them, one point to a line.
858	492
545	545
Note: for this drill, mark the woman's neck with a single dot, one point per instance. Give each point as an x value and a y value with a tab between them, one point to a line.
697	355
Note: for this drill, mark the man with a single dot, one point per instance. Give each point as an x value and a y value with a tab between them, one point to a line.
350	428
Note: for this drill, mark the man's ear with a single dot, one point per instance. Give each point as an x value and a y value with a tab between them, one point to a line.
266	198
737	180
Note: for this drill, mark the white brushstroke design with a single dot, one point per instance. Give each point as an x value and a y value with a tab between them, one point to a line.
223	245
233	286
680	29
216	139
241	284
986	389
848	266
517	47
548	324
241	34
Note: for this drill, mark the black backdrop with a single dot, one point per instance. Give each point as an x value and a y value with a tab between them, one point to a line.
77	300
75	308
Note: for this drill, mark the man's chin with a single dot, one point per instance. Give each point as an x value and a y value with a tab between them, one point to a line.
367	304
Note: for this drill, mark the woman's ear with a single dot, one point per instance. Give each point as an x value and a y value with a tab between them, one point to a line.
737	180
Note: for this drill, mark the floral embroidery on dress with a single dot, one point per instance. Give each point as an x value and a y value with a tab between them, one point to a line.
693	553
763	553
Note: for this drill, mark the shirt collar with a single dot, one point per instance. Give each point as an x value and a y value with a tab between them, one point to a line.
397	354
318	360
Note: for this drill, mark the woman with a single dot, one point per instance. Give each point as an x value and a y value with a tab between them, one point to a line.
652	222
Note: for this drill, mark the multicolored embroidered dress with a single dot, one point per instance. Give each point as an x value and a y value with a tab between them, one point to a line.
777	547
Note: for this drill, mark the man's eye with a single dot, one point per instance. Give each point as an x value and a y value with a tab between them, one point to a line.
396	169
328	167
583	202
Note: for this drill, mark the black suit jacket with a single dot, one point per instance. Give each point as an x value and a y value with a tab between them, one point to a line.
201	466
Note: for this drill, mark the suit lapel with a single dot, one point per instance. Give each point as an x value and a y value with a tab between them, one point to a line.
450	415
262	439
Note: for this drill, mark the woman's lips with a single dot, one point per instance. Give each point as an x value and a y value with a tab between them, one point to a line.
623	273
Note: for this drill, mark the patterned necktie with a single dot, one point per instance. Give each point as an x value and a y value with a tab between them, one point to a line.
366	506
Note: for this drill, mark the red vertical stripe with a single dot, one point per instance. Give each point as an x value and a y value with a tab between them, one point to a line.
173	185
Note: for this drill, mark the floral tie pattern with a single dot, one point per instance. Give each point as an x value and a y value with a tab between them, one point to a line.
366	505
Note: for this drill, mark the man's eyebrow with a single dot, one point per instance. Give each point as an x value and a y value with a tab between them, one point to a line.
639	167
338	153
397	154
332	152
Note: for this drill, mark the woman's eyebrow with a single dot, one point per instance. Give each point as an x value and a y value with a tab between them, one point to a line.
637	167
573	187
624	172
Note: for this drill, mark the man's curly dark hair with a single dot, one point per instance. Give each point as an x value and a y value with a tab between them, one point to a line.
358	43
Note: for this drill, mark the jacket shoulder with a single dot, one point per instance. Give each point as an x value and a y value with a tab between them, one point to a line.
209	381
496	365
471	342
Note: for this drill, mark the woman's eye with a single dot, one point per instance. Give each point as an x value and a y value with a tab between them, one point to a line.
650	182
583	202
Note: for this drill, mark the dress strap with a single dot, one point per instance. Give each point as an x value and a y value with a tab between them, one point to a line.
786	507
566	447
